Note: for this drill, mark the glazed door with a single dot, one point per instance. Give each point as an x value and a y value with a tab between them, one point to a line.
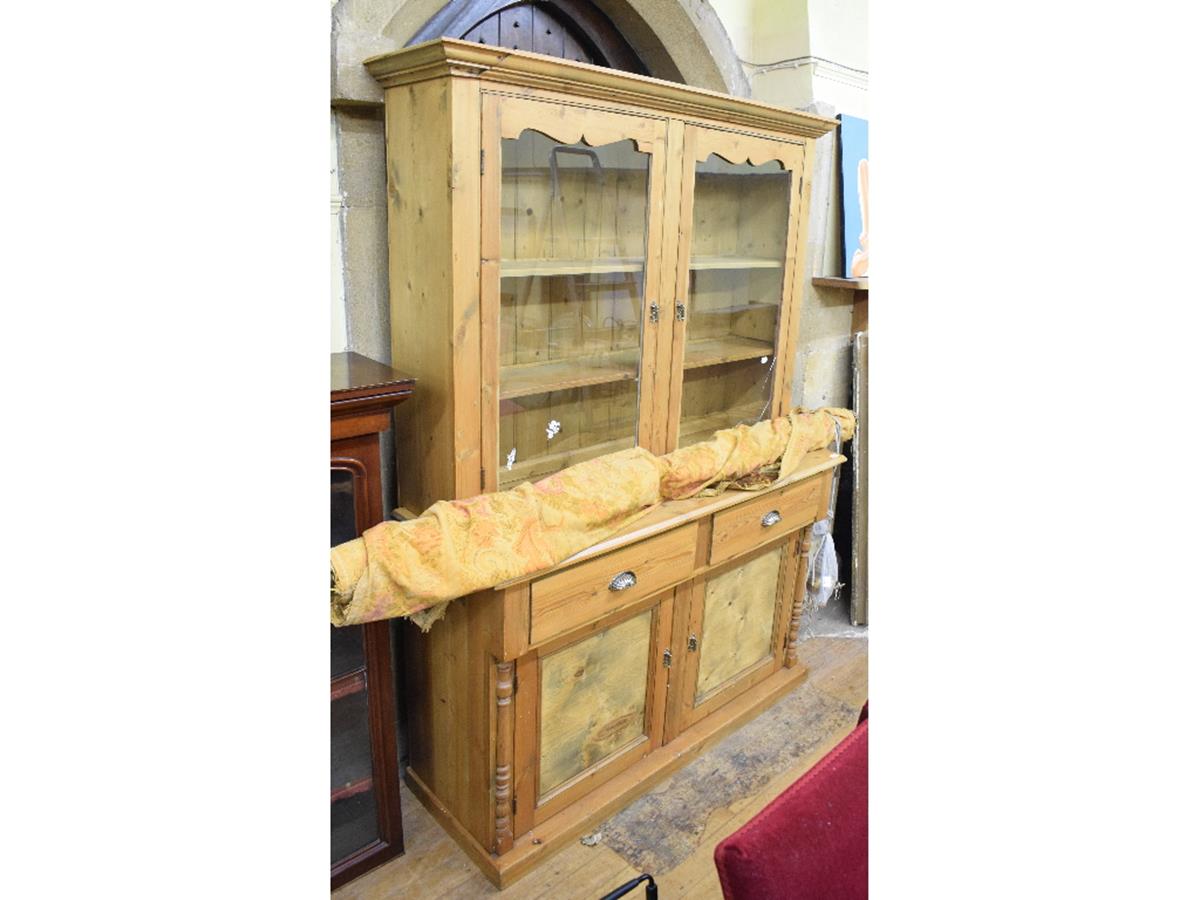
588	708
736	281
572	221
729	631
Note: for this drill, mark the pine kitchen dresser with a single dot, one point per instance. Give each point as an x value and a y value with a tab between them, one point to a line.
540	707
583	260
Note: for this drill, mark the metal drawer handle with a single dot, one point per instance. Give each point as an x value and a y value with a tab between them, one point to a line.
771	518
622	582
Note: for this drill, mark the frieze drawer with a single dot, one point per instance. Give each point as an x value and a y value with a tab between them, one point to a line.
749	524
600	586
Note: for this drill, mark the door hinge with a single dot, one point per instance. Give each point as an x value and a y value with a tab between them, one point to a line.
666	659
481	152
693	643
653	313
680	311
482	480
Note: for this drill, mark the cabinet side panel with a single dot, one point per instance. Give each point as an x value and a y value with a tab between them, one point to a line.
448	709
421	262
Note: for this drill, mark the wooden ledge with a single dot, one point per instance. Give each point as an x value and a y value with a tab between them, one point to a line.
845	284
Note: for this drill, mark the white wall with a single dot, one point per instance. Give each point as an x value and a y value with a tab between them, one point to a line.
796	52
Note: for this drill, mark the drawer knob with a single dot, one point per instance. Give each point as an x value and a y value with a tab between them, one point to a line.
771	518
622	582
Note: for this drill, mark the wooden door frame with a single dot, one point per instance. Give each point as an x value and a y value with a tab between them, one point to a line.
698	142
506	116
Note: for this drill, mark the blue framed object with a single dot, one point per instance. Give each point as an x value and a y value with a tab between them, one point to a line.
852	136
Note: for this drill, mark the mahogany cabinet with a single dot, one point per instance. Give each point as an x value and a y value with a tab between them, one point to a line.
582	260
538	708
365	787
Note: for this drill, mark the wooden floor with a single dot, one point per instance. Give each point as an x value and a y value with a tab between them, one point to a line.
434	867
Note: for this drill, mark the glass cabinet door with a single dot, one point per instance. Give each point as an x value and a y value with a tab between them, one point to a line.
736	262
576	267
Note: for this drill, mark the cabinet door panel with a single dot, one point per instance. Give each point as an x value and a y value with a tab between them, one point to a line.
593	700
729	631
596	706
572	227
739	616
736	276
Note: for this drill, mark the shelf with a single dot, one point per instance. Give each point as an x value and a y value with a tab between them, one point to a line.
702	263
549	463
530	379
716	351
346	685
562	374
845	284
361	786
701	428
525	268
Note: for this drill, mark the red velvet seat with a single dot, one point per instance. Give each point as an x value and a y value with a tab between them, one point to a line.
810	842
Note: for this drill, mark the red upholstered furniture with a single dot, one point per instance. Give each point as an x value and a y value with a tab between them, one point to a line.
810	842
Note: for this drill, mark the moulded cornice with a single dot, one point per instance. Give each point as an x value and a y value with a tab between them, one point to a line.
447	57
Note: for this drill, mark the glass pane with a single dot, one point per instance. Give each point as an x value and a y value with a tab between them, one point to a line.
739	616
593	696
352	815
572	272
735	287
346	645
343	525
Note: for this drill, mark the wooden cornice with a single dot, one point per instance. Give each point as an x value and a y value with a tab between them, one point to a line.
447	57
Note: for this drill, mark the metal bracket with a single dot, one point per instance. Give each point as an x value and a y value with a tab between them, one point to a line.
654	312
680	311
666	659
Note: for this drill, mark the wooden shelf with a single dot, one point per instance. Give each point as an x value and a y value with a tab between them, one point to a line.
562	374
728	349
346	685
845	284
530	379
701	263
549	463
353	789
700	428
524	268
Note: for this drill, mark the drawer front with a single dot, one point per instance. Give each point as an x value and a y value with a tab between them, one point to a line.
595	588
764	518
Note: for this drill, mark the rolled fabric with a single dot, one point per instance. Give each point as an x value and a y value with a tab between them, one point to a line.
457	547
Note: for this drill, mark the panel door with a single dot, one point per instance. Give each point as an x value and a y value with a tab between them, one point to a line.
596	706
729	630
736	281
572	221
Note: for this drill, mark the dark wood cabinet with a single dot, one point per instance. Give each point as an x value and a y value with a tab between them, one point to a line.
365	787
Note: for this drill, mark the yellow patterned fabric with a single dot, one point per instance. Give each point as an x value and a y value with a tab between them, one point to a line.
457	547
